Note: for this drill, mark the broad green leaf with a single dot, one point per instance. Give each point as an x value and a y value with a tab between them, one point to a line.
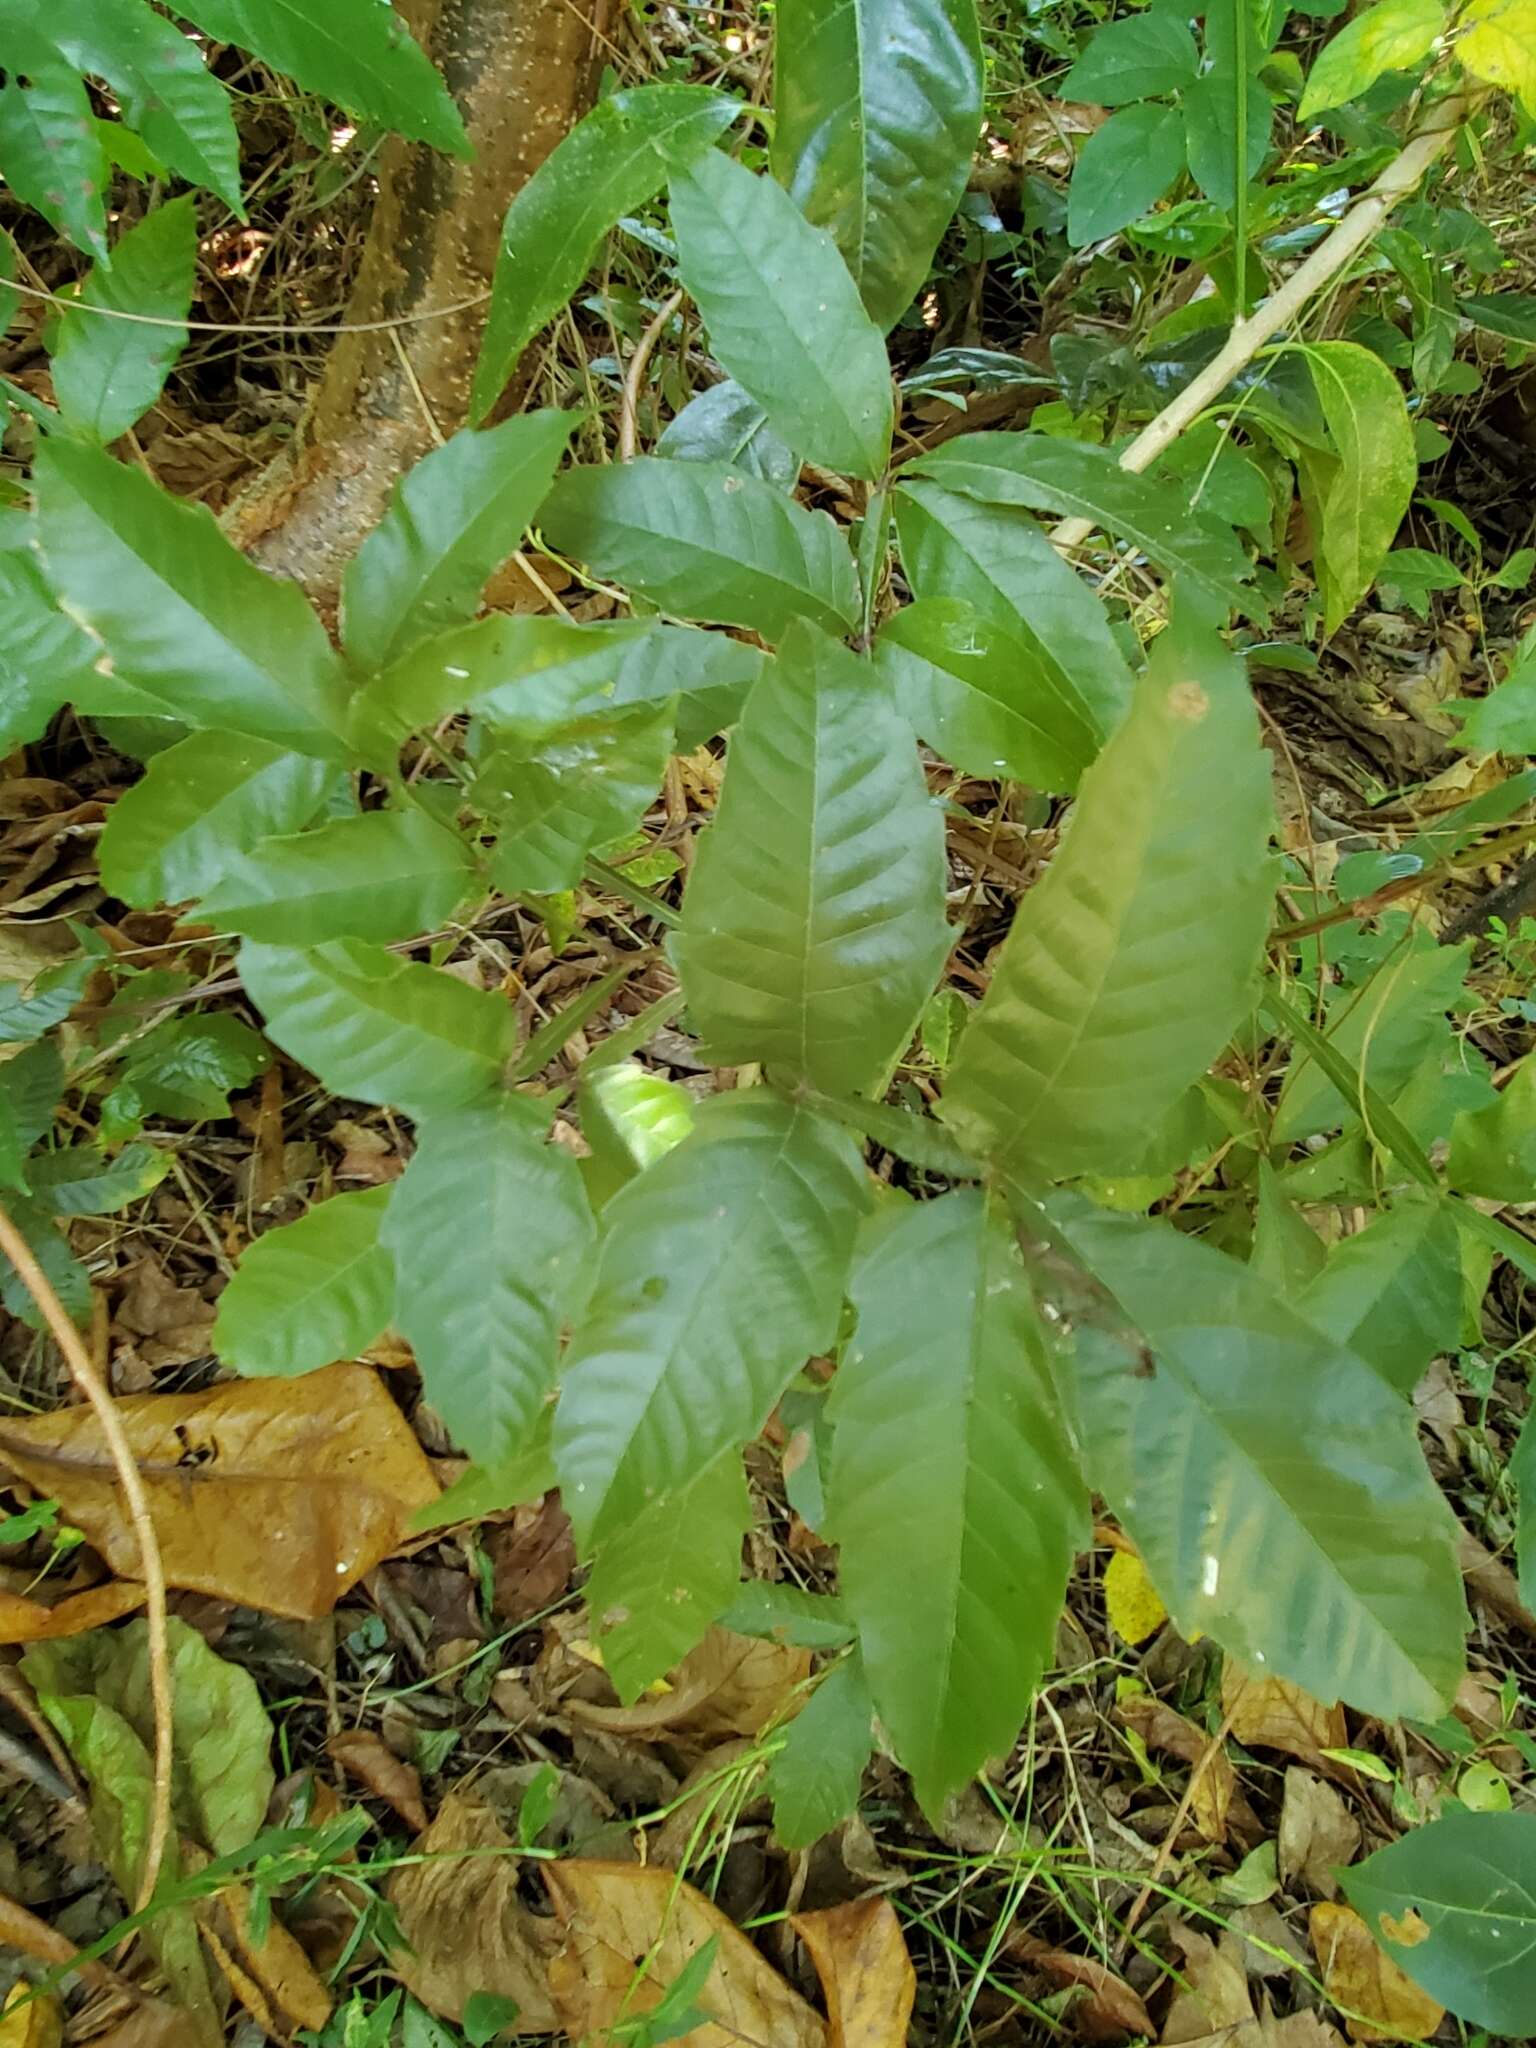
609	165
1272	1482
380	875
630	1117
1510	314
813	923
82	1181
996	558
788	1614
1497	43
31	1086
1131	962
814	1779
658	1585
29	1008
1493	1150
68	1277
1393	35
1134	59
953	1494
1287	1252
981	698
183	615
555	795
378	1028
45	659
490	1233
1070	476
107	373
310	1292
49	144
186	1067
721	1271
1125	168
725	424
1212	111
1502	722
527	1475
783	313
198	807
1362	495
707	542
457	516
358	53
877	104
1392	1292
1453	1903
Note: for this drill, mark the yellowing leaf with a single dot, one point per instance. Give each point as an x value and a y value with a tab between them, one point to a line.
30	2021
1499	45
866	1974
1131	1601
1362	1979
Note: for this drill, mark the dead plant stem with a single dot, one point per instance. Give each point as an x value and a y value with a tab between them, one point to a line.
634	376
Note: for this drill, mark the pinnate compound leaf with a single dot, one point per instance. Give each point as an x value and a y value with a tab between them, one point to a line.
814	1779
490	1233
720	1272
1134	59
982	698
660	1584
107	373
609	165
996	558
1272	1482
183	615
1125	168
877	106
198	807
707	542
1052	475
813	924
310	1292
1392	1292
1498	45
1130	963
1453	1903
953	1493
783	314
377	1028
457	516
1363	492
1392	35
380	875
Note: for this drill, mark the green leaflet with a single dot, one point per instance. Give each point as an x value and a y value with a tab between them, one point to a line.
198	807
996	558
1051	475
877	104
82	1181
1392	1292
814	1779
1394	35
953	1494
723	423
29	1008
1273	1483
658	1586
71	1282
184	1068
184	616
31	1085
50	147
983	699
1493	1150
108	373
1133	59
813	924
490	1233
1361	495
631	1117
1287	1252
788	1614
310	1292
457	516
707	542
609	165
1125	168
721	1271
377	875
45	659
784	315
527	1475
378	1028
1462	1890
1130	963
1510	314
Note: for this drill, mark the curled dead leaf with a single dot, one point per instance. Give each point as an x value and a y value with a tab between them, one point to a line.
1317	1832
272	1978
1161	1729
29	1621
627	1931
1213	1987
532	1558
1107	2010
365	1756
730	1685
1271	1713
278	1494
1379	2002
866	1974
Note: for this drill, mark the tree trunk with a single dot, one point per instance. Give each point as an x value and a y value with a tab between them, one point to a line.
522	71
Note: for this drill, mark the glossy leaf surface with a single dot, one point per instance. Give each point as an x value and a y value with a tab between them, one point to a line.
380	875
107	373
309	1292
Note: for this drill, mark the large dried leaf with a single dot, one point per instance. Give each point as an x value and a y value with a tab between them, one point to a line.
730	1685
866	1974
1317	1833
29	1621
278	1494
613	1915
1361	1978
1271	1713
1161	1729
272	1977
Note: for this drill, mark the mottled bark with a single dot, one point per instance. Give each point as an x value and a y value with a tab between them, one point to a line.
522	71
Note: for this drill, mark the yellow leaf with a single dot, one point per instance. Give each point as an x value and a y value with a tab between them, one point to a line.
34	2024
1131	1601
1378	2001
1499	45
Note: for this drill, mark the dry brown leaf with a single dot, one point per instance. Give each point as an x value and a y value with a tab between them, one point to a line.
273	1978
1360	1978
367	1757
278	1494
866	1975
1160	1728
29	1621
1271	1713
30	2021
1213	1993
151	2023
1109	2010
729	1685
615	1915
467	1927
532	1559
23	1930
1317	1831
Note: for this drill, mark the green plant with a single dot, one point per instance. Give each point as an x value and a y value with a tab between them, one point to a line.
625	1324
